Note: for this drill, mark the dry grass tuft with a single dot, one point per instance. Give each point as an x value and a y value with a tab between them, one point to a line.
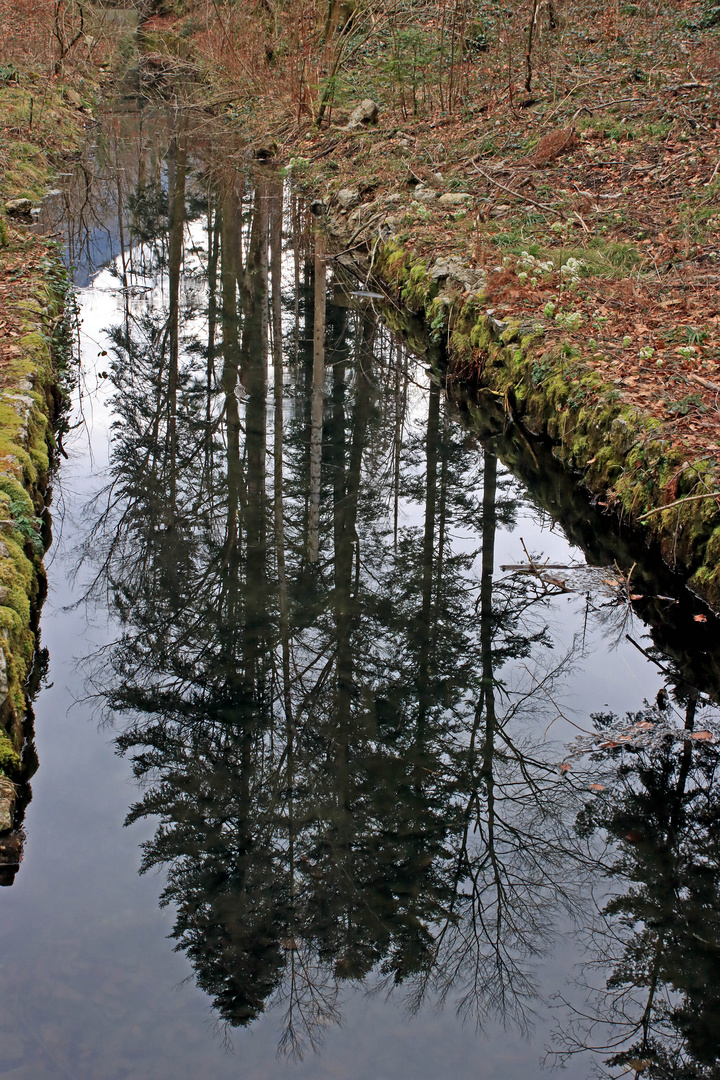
554	145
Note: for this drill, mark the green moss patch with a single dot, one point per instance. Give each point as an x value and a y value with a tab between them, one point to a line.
26	405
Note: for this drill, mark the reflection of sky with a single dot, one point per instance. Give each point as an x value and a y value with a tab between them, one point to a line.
92	987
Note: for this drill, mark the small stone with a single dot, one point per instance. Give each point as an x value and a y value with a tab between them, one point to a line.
348	197
453	200
452	267
4	685
73	98
425	194
363	114
18	207
7	804
496	325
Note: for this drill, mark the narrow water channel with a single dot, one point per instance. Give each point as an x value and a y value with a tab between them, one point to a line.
358	756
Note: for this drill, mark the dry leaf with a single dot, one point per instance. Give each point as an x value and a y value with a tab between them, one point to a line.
597	787
702	736
564	767
700	618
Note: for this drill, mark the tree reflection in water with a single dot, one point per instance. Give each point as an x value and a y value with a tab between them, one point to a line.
657	1012
335	707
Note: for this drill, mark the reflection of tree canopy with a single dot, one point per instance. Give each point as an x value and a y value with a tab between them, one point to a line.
659	934
322	682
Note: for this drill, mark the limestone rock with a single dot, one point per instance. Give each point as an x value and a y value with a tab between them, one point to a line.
7	804
455	200
364	212
363	114
497	326
424	194
621	436
4	686
348	197
452	268
73	98
11	853
18	207
22	403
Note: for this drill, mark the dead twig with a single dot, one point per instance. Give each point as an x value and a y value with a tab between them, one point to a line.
519	195
677	502
704	382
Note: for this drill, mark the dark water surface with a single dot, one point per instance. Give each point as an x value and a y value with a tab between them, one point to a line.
405	810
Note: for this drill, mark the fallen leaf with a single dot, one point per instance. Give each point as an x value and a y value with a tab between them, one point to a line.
564	767
700	618
702	736
597	787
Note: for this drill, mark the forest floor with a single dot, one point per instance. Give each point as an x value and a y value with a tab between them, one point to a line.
607	233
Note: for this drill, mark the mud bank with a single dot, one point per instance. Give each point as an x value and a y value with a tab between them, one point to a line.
620	454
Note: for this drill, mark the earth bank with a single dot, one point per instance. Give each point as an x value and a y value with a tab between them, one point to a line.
44	121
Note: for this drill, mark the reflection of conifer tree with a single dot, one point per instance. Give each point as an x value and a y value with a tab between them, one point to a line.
660	936
337	787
